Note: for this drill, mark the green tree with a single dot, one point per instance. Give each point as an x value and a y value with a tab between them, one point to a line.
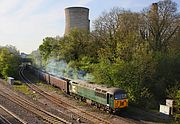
9	62
46	49
174	93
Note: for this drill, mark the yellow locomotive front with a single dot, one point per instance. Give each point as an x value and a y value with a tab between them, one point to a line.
120	100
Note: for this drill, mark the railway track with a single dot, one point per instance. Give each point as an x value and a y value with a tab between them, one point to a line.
14	117
3	120
46	116
77	113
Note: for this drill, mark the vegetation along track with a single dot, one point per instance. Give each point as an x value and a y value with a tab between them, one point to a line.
77	113
44	115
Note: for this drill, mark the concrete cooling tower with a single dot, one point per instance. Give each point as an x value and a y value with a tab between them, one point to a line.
77	17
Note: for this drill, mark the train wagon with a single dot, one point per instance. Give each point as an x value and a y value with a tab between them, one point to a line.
33	70
39	73
111	99
44	76
60	83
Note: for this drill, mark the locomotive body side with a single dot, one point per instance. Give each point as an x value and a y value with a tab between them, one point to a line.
87	93
111	99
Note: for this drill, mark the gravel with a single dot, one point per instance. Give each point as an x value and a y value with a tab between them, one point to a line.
18	110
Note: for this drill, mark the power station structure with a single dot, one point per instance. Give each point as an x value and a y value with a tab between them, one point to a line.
77	17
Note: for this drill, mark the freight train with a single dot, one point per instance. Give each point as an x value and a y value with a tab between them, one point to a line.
109	99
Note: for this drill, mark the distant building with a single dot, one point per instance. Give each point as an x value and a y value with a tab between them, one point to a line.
24	55
77	17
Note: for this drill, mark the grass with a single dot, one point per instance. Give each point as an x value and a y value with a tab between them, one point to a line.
20	87
92	109
49	87
81	103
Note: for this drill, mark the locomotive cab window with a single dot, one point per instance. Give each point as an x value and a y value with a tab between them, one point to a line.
120	96
111	97
74	82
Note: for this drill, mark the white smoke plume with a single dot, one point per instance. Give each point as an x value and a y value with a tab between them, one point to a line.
60	68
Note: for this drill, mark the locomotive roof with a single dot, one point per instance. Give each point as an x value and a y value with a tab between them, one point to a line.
97	87
115	90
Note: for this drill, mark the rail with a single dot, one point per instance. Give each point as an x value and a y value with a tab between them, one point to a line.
45	115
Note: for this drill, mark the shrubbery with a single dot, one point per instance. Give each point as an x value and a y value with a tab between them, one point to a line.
9	62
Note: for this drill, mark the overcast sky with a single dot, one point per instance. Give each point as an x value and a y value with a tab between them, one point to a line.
24	23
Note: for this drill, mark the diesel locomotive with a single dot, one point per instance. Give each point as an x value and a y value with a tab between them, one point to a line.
109	99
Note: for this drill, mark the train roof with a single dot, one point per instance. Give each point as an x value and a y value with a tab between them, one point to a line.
115	90
100	88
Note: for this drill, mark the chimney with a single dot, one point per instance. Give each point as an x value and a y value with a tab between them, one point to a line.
154	8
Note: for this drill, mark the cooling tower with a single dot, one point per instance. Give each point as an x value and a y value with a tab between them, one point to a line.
77	17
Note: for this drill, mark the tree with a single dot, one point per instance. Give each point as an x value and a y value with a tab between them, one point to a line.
117	29
74	45
37	59
9	62
46	49
138	52
161	22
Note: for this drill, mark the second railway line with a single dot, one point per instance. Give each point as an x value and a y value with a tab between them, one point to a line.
42	114
8	117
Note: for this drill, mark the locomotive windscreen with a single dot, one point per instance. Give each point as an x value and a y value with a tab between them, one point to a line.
120	96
